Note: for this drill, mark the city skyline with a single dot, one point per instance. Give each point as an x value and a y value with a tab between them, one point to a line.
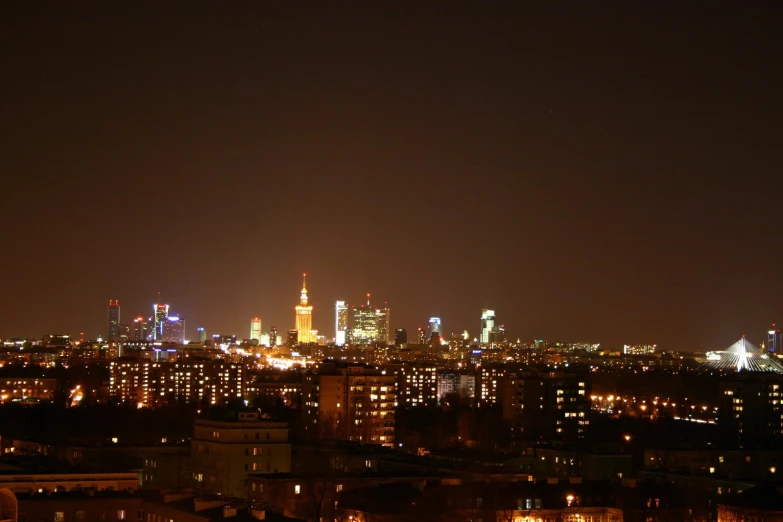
591	175
482	331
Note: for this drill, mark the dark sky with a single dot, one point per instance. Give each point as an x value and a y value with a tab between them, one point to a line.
594	174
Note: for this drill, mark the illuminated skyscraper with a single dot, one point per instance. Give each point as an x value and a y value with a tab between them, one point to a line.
161	312
114	321
340	323
435	328
773	340
304	316
400	337
487	325
202	334
255	329
370	325
293	338
140	330
273	337
173	329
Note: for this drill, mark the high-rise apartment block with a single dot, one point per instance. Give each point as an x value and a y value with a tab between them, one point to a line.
350	402
113	330
545	406
453	383
400	337
417	384
639	349
145	383
223	453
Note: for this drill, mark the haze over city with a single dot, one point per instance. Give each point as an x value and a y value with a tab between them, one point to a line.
611	178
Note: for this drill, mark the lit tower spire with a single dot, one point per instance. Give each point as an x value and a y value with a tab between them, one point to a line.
304	317
303	298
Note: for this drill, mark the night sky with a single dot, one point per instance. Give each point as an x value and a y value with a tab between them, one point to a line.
591	174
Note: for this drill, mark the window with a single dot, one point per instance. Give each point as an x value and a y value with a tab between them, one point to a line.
297	489
59	516
479	502
140	514
79	516
120	514
339	487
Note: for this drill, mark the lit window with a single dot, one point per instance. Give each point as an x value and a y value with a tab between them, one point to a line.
297	489
120	514
59	516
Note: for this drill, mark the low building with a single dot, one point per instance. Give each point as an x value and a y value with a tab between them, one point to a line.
762	503
223	452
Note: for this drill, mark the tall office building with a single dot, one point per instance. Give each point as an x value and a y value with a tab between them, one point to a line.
140	330
370	324
161	312
400	337
273	337
173	330
435	328
255	329
773	340
293	337
382	315
114	320
340	323
202	334
304	316
487	325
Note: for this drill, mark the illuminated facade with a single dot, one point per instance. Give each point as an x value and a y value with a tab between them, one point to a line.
487	325
639	349
417	384
255	329
773	340
113	331
351	403
460	384
340	323
304	317
161	312
435	328
173	330
21	389
148	384
140	330
370	325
